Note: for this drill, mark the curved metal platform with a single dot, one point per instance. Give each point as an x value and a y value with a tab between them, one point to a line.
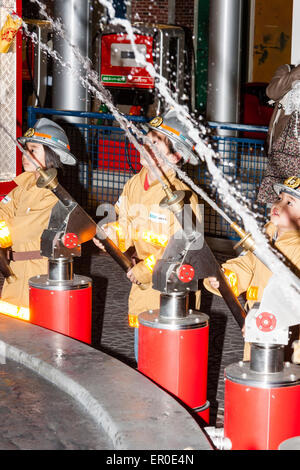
118	407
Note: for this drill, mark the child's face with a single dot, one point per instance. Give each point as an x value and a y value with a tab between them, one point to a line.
285	212
37	153
162	144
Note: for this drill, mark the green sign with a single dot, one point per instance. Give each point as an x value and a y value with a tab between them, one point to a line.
113	78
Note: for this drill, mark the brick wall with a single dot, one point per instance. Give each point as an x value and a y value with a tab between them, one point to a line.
184	13
157	12
149	11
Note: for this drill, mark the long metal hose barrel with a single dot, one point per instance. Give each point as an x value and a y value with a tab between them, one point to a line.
232	302
85	227
204	259
122	259
112	249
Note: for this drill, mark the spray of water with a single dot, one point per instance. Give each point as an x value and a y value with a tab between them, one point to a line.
103	94
224	189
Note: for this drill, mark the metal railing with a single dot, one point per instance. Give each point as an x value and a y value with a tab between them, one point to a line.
243	161
107	160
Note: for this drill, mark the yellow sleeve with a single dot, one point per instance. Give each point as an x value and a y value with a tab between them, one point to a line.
296	345
9	204
123	236
295	259
142	273
243	267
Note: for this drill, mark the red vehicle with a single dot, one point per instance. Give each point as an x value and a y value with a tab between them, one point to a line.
129	82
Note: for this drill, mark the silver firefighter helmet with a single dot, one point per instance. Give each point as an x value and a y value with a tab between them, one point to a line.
291	186
47	132
169	125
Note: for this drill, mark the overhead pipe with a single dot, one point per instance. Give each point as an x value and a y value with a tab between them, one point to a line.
68	92
224	68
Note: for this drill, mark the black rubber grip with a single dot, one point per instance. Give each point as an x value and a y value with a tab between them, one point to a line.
121	258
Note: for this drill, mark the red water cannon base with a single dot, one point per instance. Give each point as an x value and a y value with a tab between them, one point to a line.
65	308
175	357
261	410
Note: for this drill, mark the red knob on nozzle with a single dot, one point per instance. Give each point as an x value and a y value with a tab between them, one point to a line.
70	240
186	273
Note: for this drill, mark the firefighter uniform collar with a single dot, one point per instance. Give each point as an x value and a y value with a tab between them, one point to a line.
271	231
26	180
169	177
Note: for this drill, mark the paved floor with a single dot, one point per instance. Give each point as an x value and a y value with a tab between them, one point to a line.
25	397
112	334
59	393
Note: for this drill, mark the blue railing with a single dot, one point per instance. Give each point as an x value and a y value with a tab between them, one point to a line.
243	161
32	114
237	127
107	160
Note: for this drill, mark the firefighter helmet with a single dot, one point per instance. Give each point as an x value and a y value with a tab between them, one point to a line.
169	125
291	186
47	132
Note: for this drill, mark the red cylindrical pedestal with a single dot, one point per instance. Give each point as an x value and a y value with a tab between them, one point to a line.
177	360
67	311
260	417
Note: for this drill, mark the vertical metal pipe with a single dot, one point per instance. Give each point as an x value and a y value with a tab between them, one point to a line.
251	26
225	30
68	92
171	11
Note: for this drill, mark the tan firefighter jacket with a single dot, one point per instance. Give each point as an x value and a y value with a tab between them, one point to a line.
26	210
147	227
248	274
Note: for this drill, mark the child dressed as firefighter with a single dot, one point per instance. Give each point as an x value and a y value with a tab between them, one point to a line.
144	225
26	211
247	273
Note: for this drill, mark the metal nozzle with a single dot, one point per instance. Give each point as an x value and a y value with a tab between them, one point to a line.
11	278
47	178
121	258
169	192
246	241
173	201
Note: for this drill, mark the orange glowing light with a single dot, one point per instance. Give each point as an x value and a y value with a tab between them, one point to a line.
133	320
120	235
233	281
14	311
155	238
150	262
5	238
252	293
